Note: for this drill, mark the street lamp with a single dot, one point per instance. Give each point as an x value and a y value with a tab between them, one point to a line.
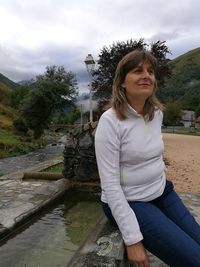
90	64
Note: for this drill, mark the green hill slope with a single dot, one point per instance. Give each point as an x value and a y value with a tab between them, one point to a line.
7	113
184	84
193	54
7	82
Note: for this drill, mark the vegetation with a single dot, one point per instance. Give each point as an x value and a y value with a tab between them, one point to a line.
13	145
172	114
58	168
29	106
7	114
55	90
4	80
18	95
109	58
184	84
181	130
51	96
69	117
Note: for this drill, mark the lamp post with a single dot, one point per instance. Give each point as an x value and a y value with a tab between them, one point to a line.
90	64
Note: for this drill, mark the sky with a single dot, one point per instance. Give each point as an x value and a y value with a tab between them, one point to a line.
39	33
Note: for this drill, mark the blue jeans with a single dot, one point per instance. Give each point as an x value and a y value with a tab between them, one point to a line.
170	232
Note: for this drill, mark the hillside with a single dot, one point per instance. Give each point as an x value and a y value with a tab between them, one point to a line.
7	113
193	54
7	82
184	84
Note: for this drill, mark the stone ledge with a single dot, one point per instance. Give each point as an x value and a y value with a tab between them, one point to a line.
103	247
17	211
18	175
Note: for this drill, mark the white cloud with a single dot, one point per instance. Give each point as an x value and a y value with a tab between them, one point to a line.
37	33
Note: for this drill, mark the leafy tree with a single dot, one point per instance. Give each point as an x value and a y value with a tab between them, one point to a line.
197	111
20	125
18	94
70	117
54	90
191	101
109	58
172	113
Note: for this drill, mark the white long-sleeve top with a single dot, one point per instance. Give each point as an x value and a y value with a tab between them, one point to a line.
129	156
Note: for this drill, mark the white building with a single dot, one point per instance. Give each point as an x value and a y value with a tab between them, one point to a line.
188	118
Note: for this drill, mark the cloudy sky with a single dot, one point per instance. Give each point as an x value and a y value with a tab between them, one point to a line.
38	33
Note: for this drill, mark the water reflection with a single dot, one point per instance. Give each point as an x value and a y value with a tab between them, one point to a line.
52	240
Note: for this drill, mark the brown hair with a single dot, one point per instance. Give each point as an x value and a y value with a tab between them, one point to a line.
119	100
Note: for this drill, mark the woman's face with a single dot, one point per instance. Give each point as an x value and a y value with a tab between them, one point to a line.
139	82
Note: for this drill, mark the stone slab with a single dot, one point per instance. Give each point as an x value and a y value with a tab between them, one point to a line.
20	199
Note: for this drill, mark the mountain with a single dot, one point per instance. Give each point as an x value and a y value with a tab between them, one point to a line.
7	82
27	82
184	83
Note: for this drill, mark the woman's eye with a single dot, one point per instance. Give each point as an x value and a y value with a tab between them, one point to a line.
151	71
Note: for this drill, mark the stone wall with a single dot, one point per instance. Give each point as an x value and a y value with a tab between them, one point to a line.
79	154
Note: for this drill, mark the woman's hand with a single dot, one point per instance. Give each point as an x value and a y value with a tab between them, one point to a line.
138	255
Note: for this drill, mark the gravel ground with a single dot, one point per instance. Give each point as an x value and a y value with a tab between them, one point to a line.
182	152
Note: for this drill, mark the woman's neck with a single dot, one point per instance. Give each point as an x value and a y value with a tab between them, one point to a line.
138	106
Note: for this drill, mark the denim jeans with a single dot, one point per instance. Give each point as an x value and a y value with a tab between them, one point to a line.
170	232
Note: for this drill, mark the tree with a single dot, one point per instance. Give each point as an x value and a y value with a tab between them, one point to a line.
109	58
160	51
172	113
18	94
197	111
55	90
69	117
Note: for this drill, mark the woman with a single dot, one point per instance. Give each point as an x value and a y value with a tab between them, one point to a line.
136	195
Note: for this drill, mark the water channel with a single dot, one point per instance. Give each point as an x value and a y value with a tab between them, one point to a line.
13	164
51	239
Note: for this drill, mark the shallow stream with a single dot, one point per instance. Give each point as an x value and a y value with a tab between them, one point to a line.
51	239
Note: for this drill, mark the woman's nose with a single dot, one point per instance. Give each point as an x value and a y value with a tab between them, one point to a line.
145	73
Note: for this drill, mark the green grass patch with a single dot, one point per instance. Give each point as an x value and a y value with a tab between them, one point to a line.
181	130
58	168
14	145
8	137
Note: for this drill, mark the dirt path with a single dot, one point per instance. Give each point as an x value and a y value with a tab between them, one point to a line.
182	152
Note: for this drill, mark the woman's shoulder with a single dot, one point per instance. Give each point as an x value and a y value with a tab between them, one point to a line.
158	115
109	114
109	121
158	112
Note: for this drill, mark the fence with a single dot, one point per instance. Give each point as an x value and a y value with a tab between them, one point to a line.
181	130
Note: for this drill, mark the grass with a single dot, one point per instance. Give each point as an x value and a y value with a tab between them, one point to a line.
8	137
14	145
58	168
181	130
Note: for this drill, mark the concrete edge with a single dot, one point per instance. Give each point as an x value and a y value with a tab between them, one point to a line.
40	166
103	246
61	187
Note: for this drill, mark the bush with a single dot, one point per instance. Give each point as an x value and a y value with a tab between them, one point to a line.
20	125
